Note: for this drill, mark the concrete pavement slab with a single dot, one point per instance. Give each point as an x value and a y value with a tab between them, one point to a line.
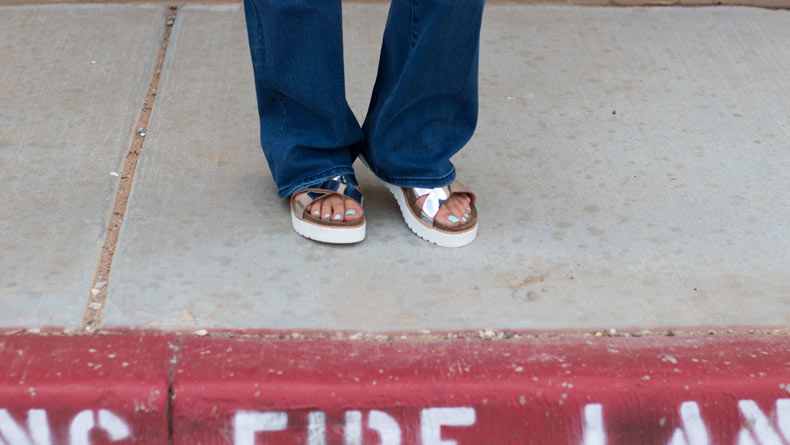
630	165
71	88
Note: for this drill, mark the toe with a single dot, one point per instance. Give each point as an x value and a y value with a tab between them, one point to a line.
314	209
446	217
457	207
464	201
353	211
338	208
455	211
326	209
466	207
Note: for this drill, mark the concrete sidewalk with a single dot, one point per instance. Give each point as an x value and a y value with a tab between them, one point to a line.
631	166
632	173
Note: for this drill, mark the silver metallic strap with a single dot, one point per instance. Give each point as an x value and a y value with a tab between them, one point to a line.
436	197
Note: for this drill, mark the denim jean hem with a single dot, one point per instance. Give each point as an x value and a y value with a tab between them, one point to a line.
411	182
300	184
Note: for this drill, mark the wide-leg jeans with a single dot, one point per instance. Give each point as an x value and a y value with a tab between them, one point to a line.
423	108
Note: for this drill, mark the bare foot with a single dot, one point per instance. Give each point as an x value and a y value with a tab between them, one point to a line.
336	209
455	212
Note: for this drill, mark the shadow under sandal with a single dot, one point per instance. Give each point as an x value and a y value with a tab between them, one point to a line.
345	232
422	220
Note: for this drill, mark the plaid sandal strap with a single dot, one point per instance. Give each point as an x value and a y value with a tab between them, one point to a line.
345	185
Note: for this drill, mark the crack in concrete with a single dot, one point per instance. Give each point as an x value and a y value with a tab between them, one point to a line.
91	318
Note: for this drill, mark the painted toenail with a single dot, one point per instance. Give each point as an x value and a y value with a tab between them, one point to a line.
466	215
468	209
337	217
316	213
327	215
351	212
453	219
463	219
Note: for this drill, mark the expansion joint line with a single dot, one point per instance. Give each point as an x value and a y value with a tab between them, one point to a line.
97	298
171	394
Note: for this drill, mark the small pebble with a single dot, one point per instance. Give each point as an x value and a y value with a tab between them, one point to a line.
711	332
100	285
201	332
488	333
95	306
114	174
612	331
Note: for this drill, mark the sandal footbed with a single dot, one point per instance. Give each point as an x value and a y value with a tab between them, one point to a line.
354	223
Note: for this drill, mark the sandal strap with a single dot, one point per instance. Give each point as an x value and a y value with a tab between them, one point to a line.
345	185
436	197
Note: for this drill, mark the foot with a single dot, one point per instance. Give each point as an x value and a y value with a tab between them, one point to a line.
455	212
335	209
451	224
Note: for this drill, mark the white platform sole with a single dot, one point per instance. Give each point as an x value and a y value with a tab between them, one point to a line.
333	235
443	239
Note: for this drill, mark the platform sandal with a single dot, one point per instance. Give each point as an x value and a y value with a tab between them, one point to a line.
305	224
422	221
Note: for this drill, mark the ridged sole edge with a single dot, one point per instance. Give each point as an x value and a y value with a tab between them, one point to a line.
332	235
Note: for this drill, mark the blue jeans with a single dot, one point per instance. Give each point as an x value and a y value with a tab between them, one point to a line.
423	108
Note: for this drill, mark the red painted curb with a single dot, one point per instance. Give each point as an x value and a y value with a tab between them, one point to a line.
703	390
113	389
83	390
